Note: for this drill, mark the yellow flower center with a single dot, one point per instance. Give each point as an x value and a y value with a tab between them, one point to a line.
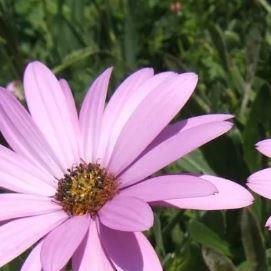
85	189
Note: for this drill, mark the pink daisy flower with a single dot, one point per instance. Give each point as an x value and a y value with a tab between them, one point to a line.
82	185
259	182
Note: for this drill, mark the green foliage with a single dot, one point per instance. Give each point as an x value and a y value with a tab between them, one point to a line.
228	43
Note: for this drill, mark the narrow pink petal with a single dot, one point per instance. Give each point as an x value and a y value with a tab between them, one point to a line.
50	111
69	100
170	187
199	120
112	128
268	223
118	102
91	115
90	254
264	147
13	205
260	182
143	126
73	113
187	124
23	136
162	152
230	196
129	251
150	258
126	214
60	244
18	235
20	175
32	262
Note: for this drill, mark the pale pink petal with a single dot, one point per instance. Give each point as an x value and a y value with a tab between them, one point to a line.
118	102
144	125
32	262
260	182
50	111
91	114
150	258
18	235
90	254
187	124
60	244
13	205
73	112
194	122
268	223
23	135
20	175
125	111
126	214
165	150
264	147
230	196
129	251
70	101
170	187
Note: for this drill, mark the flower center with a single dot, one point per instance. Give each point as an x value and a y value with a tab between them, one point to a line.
85	189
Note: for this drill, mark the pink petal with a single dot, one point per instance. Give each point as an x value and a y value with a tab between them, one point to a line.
50	111
143	126
72	110
18	235
19	175
166	149
170	187
230	196
126	214
69	100
129	251
117	103
60	244
268	223
90	254
112	128
91	115
186	124
32	262
19	205
23	135
260	182
264	147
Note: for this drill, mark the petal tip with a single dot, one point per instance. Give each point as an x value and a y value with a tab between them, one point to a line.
191	75
109	69
228	125
268	224
35	64
230	116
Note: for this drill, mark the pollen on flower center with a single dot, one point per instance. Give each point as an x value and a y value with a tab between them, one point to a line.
85	189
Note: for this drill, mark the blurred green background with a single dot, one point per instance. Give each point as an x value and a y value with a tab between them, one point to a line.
228	43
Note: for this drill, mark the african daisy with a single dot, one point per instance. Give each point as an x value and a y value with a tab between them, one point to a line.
81	186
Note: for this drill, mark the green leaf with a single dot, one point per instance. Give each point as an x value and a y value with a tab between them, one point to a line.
244	266
253	241
75	57
193	162
217	261
158	235
189	259
205	236
220	45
